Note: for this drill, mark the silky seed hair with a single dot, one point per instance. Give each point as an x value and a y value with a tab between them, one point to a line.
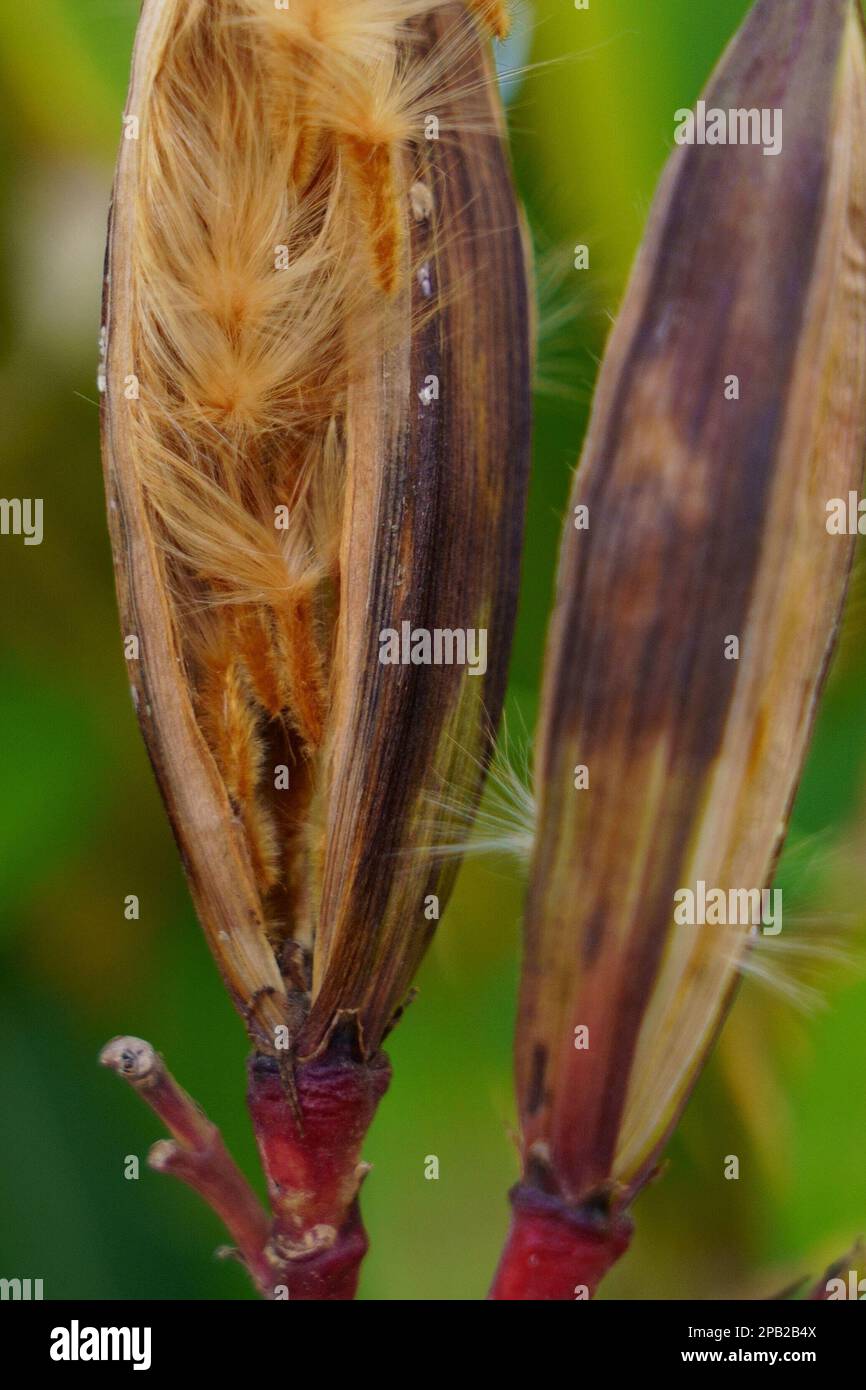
269	227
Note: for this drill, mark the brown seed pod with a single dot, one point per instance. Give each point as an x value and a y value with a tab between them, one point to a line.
316	428
698	599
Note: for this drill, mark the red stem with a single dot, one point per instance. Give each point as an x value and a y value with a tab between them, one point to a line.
310	1125
555	1251
310	1147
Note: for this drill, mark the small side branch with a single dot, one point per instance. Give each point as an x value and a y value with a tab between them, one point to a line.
196	1153
310	1123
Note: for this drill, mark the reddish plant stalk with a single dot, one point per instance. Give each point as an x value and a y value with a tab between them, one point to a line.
555	1251
309	1126
310	1146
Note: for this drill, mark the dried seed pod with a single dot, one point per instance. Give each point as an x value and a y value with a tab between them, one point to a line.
698	598
316	430
285	480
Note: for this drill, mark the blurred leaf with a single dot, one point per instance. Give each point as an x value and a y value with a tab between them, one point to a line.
60	66
48	775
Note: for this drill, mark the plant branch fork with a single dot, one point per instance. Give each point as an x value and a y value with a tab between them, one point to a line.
312	1243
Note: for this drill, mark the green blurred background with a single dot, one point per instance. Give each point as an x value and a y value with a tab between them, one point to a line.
81	825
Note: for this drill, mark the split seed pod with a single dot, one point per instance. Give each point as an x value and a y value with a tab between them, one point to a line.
698	599
316	429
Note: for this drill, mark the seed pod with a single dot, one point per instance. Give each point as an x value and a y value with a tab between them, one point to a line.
431	542
315	427
698	599
316	436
